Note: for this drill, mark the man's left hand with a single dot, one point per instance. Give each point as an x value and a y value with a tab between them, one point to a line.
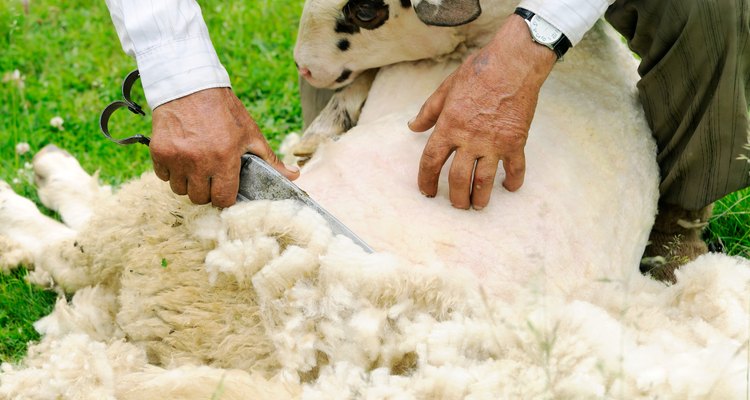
483	112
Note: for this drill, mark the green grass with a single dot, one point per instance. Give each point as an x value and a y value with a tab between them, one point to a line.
20	305
730	224
72	66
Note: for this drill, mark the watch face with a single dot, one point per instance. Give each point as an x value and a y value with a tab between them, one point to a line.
543	32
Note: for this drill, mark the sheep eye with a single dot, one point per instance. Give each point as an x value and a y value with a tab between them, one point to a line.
367	14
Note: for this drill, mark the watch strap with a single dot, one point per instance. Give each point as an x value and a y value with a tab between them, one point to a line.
560	47
526	14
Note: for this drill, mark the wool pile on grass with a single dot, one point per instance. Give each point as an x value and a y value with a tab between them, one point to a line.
280	307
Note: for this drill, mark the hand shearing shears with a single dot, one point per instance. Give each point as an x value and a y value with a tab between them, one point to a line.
258	180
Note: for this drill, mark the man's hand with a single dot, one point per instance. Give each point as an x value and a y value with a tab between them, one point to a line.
483	112
197	142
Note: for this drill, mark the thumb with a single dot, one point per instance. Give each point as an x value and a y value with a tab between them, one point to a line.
264	151
430	111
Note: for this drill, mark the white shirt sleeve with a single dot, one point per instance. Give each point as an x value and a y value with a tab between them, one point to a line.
170	43
573	17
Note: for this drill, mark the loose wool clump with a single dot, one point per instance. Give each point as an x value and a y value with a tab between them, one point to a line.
12	254
537	296
262	301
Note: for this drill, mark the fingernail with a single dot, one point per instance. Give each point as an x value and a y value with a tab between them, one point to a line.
478	208
411	121
425	194
292	168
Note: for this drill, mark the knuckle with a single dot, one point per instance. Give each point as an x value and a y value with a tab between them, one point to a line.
458	178
431	158
483	180
516	140
431	107
272	158
424	108
510	140
515	169
178	188
449	120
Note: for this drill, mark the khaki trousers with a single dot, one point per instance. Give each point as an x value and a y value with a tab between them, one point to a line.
695	72
695	77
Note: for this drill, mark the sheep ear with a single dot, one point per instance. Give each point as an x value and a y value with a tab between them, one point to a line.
447	12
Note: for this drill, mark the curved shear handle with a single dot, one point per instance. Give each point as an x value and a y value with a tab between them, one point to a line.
127	85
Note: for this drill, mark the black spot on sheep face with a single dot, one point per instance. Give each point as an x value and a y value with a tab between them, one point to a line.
343	45
338	39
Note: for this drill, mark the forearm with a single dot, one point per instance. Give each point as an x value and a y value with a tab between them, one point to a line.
171	45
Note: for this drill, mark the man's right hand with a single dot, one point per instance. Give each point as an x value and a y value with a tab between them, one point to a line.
197	142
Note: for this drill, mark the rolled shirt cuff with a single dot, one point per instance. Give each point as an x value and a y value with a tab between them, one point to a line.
573	17
179	68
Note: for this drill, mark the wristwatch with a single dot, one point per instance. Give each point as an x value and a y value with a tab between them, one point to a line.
544	33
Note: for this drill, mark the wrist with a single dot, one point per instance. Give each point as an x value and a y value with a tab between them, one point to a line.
545	33
573	17
514	38
177	69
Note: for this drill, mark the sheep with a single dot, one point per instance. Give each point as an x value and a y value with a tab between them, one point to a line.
261	300
335	49
537	295
585	129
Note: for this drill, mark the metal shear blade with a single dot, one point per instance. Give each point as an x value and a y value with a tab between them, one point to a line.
258	180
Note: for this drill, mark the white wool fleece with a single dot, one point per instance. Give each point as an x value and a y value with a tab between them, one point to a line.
13	254
536	296
347	323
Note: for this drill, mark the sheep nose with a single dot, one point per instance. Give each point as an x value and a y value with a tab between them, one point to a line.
305	72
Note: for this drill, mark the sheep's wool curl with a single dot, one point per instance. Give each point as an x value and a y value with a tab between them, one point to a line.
323	319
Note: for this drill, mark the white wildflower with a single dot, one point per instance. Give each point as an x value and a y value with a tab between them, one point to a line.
16	181
57	122
22	148
14	77
28	166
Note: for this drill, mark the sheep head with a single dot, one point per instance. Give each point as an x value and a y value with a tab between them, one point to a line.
338	39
